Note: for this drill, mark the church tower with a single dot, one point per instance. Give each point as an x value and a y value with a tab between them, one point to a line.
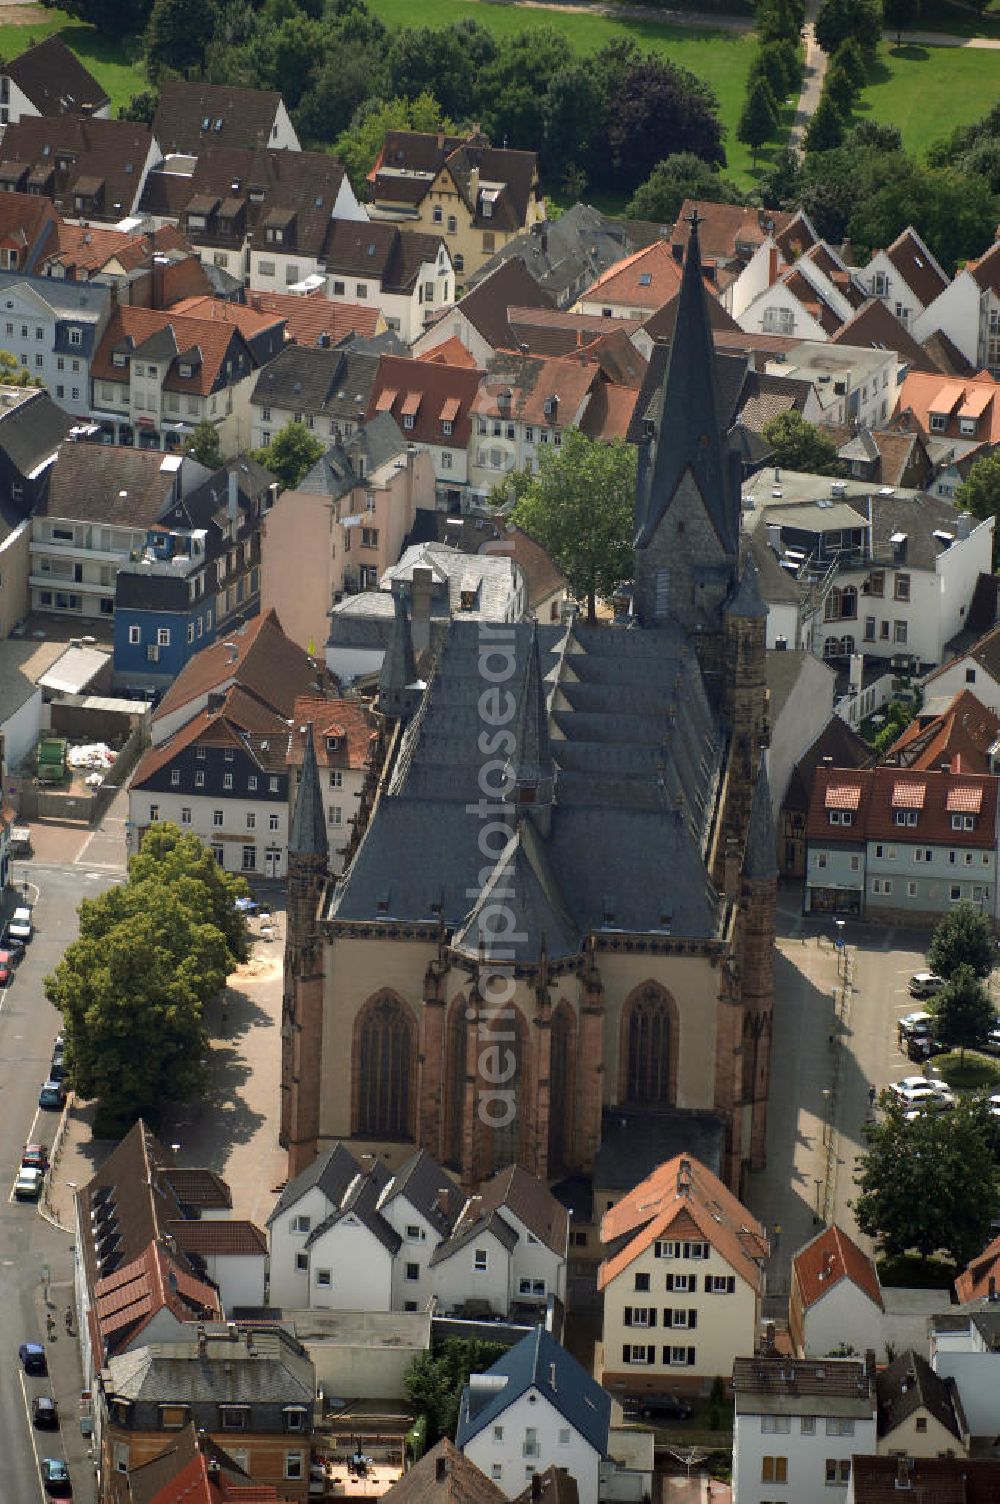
688	488
302	1002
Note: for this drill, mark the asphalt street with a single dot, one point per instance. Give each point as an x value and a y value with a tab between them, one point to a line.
29	1246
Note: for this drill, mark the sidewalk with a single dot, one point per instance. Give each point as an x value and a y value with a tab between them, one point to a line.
233	1127
65	1384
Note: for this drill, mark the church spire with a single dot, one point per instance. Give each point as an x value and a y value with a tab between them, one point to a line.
686	433
307	836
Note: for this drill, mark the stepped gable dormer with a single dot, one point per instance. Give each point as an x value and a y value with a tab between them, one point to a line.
687	512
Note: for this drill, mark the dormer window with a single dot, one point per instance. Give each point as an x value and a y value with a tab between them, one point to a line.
76	336
185	368
967	427
841	817
407	420
446	426
333	743
939	422
487	208
905	816
274	236
963	822
118	359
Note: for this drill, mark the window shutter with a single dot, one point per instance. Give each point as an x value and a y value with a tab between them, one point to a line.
692	1318
652	1315
731	1285
628	1316
708	1284
668	1317
626	1353
670	1282
690	1357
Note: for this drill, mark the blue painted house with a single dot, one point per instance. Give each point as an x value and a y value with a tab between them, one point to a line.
197	577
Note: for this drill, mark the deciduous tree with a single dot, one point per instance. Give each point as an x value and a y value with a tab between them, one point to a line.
963	1012
661	107
672	181
291	452
434	1381
203	445
929	1183
826	128
360	144
178	33
900	15
980	493
800	445
579	506
962	939
837	20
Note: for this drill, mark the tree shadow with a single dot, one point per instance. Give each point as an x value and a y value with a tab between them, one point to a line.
87	42
910	52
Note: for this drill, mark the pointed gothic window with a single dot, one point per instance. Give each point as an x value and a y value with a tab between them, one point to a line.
562	1091
646	1079
385	1064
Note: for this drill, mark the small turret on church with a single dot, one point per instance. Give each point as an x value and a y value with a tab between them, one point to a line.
688	490
399	689
302	1003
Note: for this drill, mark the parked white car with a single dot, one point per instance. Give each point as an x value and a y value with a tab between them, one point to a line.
20	927
925	984
917	1091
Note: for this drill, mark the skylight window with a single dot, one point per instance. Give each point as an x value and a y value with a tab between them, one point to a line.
645	279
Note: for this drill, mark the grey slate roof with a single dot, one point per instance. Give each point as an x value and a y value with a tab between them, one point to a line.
32	431
468	1230
686	424
277	1372
336	473
491	575
307	836
361	1203
307	378
538	1362
428	1189
746	599
909	1384
332	1172
567	254
758	857
636	758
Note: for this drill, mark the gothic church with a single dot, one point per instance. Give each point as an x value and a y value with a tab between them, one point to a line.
631	846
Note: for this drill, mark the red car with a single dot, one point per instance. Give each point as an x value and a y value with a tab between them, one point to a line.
35	1157
6	968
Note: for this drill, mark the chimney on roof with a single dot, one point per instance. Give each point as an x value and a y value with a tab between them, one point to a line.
963	525
233	496
991	1288
441	1467
903	1466
202	1342
684	1177
536	1485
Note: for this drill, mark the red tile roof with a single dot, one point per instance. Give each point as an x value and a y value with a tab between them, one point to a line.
451	353
128	1299
347	721
683	1193
609	411
917	266
980	1274
987	269
531	384
24	218
829	1258
724	227
645	280
309	316
961	736
882	793
218	1235
212	336
269	666
401	381
923	394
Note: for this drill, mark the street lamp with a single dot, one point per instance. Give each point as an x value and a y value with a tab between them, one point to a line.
840	944
819	1186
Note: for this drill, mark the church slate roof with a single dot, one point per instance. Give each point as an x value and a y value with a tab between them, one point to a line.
398	665
636	752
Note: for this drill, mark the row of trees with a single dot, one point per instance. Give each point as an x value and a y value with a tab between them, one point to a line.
602	121
775	73
132	988
842	84
929	1183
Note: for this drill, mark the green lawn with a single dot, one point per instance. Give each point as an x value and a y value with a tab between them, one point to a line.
721	58
976	1071
112	62
927	91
